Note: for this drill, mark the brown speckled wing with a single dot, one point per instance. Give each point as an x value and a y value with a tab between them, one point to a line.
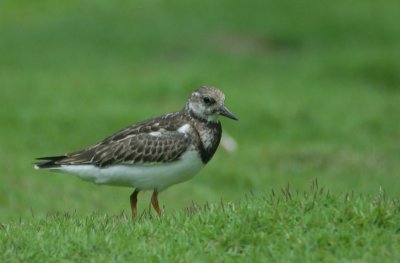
142	148
152	141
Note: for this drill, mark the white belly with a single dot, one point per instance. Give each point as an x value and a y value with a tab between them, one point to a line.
140	176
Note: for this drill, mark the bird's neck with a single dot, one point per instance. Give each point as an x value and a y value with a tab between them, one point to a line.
209	138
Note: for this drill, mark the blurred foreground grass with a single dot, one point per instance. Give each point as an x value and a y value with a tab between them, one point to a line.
316	86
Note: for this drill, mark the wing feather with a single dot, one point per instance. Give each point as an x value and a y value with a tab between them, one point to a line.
134	144
141	148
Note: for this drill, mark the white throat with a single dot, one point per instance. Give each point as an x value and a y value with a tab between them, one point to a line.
199	111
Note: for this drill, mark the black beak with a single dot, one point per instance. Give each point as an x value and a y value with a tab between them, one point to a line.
225	112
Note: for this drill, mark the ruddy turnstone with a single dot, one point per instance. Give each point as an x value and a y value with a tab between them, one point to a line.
152	154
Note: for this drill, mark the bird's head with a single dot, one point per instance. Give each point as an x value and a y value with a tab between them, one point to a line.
207	103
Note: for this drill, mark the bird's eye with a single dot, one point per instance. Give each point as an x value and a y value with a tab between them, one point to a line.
208	100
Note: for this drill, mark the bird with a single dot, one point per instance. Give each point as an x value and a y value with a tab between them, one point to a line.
153	154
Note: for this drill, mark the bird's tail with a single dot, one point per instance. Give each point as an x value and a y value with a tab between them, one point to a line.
51	162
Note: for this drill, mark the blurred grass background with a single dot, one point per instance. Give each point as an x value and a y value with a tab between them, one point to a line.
315	84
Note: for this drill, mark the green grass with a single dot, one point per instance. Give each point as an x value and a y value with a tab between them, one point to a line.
315	84
282	226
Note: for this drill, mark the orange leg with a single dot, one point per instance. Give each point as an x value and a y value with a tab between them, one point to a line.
133	199
154	202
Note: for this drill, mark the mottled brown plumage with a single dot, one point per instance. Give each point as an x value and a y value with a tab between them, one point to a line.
135	144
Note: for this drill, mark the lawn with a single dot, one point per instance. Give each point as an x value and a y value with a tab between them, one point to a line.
315	84
283	226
